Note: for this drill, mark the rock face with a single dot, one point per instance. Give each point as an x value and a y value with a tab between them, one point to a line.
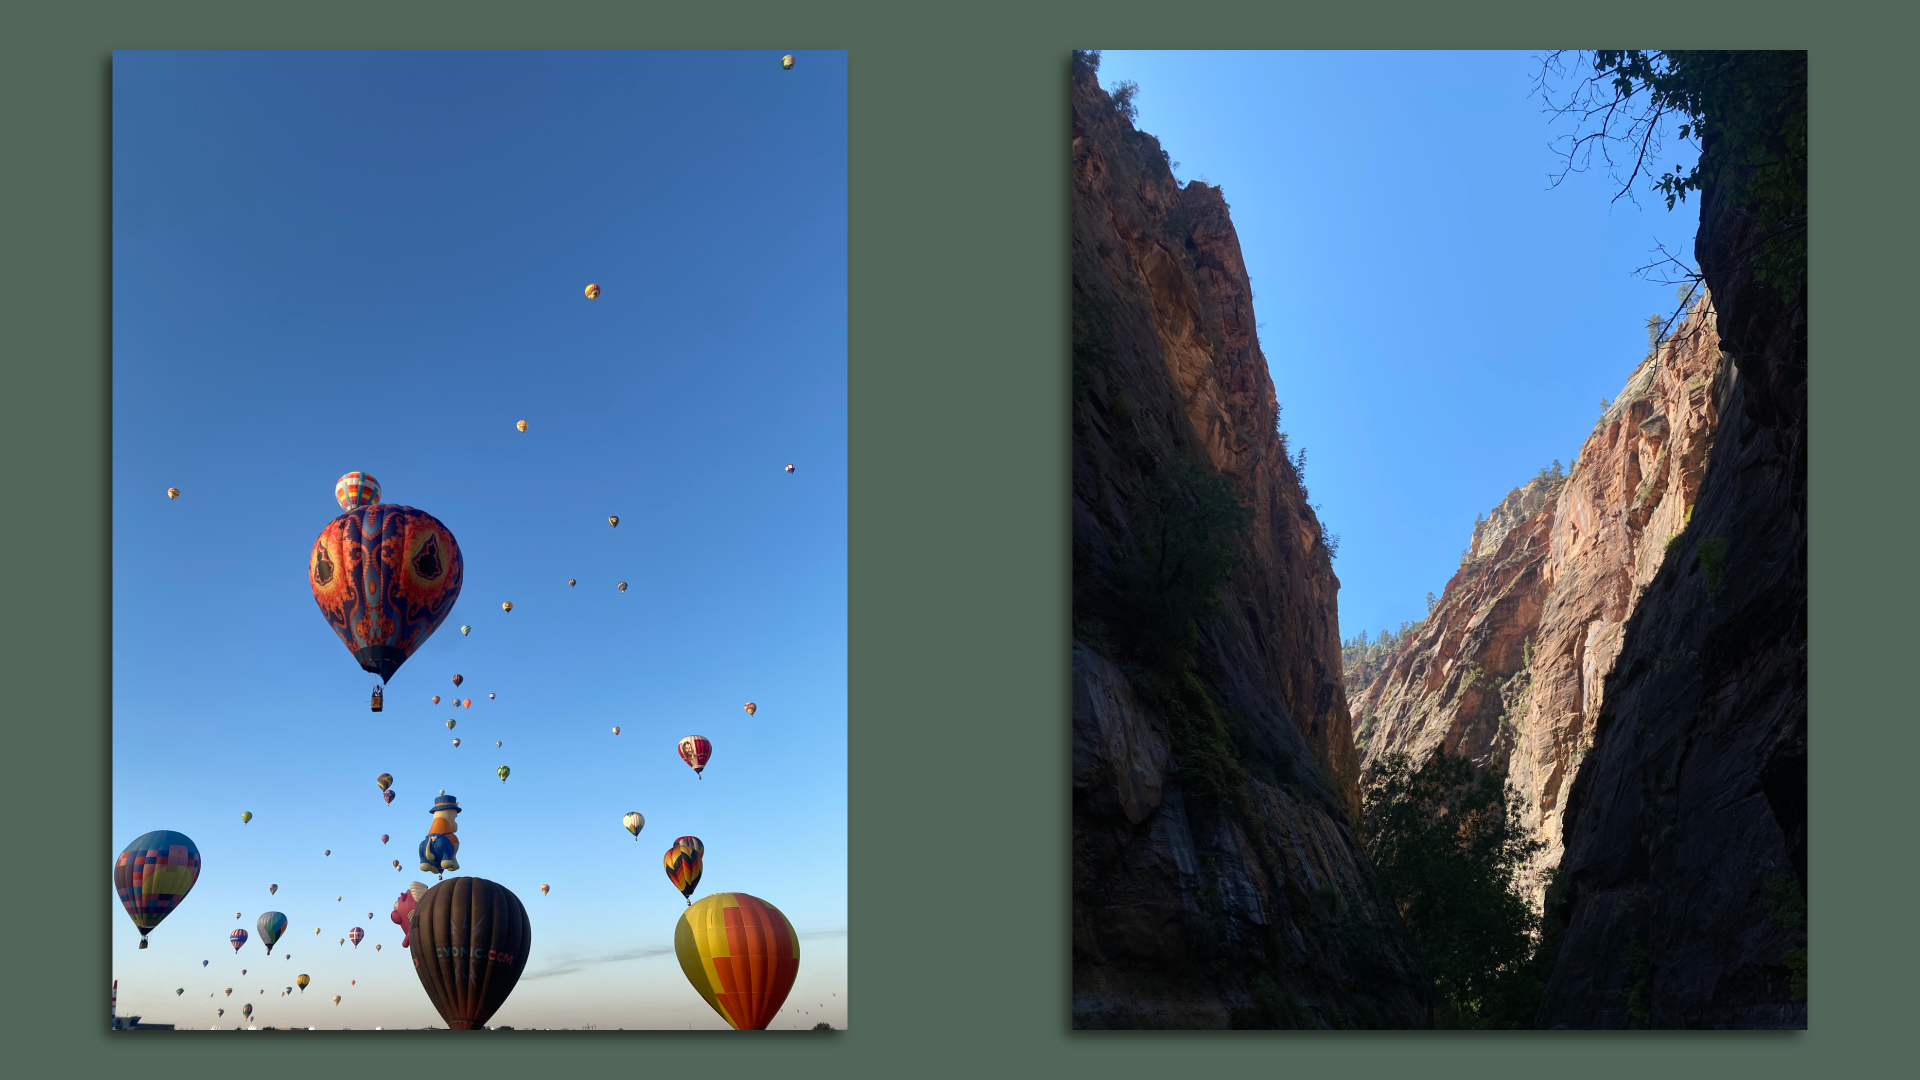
1509	667
1217	880
1692	802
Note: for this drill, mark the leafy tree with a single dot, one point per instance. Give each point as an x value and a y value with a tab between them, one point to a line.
1447	849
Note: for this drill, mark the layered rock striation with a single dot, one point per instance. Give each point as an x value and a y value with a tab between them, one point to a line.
1217	879
1509	667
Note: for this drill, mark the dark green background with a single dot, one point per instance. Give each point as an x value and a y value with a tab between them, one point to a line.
959	553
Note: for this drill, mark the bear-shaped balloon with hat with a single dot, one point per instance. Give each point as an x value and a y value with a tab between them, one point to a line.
437	851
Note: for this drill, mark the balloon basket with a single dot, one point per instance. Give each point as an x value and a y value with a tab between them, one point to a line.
143	943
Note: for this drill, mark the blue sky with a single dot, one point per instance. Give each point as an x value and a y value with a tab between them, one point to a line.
1440	321
325	262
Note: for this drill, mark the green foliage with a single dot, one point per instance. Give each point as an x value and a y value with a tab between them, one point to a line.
1188	522
1123	93
1086	61
1639	988
1713	561
1654	325
1787	907
1447	848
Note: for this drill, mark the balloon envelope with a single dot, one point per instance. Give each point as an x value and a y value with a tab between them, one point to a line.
634	821
153	874
752	708
237	939
271	926
695	750
544	888
385	578
470	939
173	493
302	981
246	816
465	630
355	490
503	771
593	293
685	863
521	425
385	780
741	954
389	797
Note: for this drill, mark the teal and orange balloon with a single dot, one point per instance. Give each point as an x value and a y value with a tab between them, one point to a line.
355	490
684	865
153	874
385	578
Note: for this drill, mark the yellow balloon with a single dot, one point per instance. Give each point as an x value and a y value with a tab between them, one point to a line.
506	605
522	425
786	62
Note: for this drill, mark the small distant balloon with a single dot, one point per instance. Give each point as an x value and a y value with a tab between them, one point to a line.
634	821
203	963
522	425
246	816
497	742
336	999
302	982
389	797
502	771
786	62
613	520
544	888
623	586
789	466
355	490
490	697
684	863
569	583
752	708
450	723
383	838
385	780
466	703
376	948
329	851
237	938
695	750
616	729
396	864
180	991
456	742
465	630
458	679
593	292
173	493
506	605
271	889
436	699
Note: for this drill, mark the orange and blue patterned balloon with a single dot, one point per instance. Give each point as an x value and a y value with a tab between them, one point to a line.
385	578
355	490
271	926
684	865
238	938
153	874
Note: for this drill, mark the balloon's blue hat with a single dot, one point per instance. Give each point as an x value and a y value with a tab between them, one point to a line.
446	802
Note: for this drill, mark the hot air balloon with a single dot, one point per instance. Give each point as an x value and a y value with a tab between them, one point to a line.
246	816
243	971
471	939
230	990
616	729
376	948
613	520
456	743
522	425
383	838
238	938
153	874
634	822
336	999
506	605
316	933
569	583
343	941
466	703
396	864
695	750
752	708
173	493
490	697
302	982
355	490
465	630
271	926
502	772
219	1012
203	963
449	724
180	991
497	742
354	935
593	292
436	699
786	64
247	1011
684	864
329	851
389	797
544	888
272	889
741	954
385	577
385	780
789	466
623	586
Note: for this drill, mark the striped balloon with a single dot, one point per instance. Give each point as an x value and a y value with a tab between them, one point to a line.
741	954
695	750
684	865
238	938
153	874
355	490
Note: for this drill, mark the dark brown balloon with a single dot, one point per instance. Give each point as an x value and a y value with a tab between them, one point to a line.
469	939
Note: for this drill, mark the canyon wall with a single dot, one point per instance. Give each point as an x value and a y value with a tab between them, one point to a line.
1509	667
1217	878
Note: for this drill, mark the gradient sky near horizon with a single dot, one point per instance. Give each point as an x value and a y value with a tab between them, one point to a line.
1441	321
326	262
